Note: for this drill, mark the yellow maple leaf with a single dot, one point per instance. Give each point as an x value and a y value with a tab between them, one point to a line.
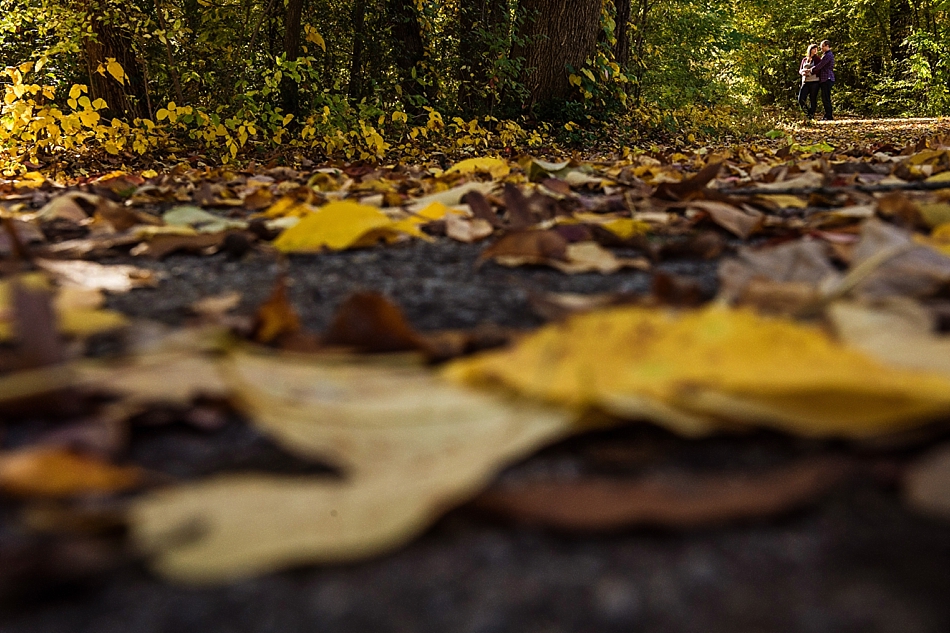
696	370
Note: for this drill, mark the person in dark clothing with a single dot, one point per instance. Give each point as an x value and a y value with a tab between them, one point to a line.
825	69
808	94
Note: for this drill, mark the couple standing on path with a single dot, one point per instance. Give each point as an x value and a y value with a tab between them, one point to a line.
818	74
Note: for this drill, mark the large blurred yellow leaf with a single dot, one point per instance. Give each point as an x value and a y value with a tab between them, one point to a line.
411	446
697	370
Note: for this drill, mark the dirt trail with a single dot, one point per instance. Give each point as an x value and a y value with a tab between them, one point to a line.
853	132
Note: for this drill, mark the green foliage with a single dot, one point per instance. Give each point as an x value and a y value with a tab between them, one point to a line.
172	75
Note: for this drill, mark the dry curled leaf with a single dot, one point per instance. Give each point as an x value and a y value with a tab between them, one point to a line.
683	500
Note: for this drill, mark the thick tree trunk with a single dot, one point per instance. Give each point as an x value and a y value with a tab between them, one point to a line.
556	34
289	90
484	35
125	99
409	55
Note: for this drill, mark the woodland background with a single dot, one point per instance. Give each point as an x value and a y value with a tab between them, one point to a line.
367	78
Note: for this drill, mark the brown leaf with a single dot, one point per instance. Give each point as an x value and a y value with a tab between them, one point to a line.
370	322
276	317
39	343
688	189
899	267
527	247
160	246
684	501
676	290
792	270
481	208
519	211
927	484
740	222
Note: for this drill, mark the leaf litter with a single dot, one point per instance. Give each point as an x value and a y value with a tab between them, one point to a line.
830	322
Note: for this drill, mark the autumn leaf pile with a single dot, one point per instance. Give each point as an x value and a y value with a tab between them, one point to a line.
830	321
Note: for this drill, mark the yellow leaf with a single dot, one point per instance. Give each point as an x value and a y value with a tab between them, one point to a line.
411	446
287	206
787	201
316	38
695	370
115	69
625	228
76	90
336	226
496	167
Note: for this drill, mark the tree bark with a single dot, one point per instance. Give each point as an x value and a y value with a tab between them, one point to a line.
484	36
621	32
409	55
289	89
556	34
639	26
355	89
123	99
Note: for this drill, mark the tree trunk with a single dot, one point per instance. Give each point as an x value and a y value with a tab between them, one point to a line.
409	55
621	32
126	99
639	26
289	89
556	34
355	89
484	37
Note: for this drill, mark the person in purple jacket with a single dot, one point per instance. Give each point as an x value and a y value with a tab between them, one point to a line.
825	69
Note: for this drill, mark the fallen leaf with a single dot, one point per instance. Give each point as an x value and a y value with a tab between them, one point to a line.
369	322
896	265
161	246
591	257
678	501
217	305
695	371
467	231
200	220
338	226
412	446
898	332
52	472
276	316
927	483
781	279
740	222
527	247
113	278
495	167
